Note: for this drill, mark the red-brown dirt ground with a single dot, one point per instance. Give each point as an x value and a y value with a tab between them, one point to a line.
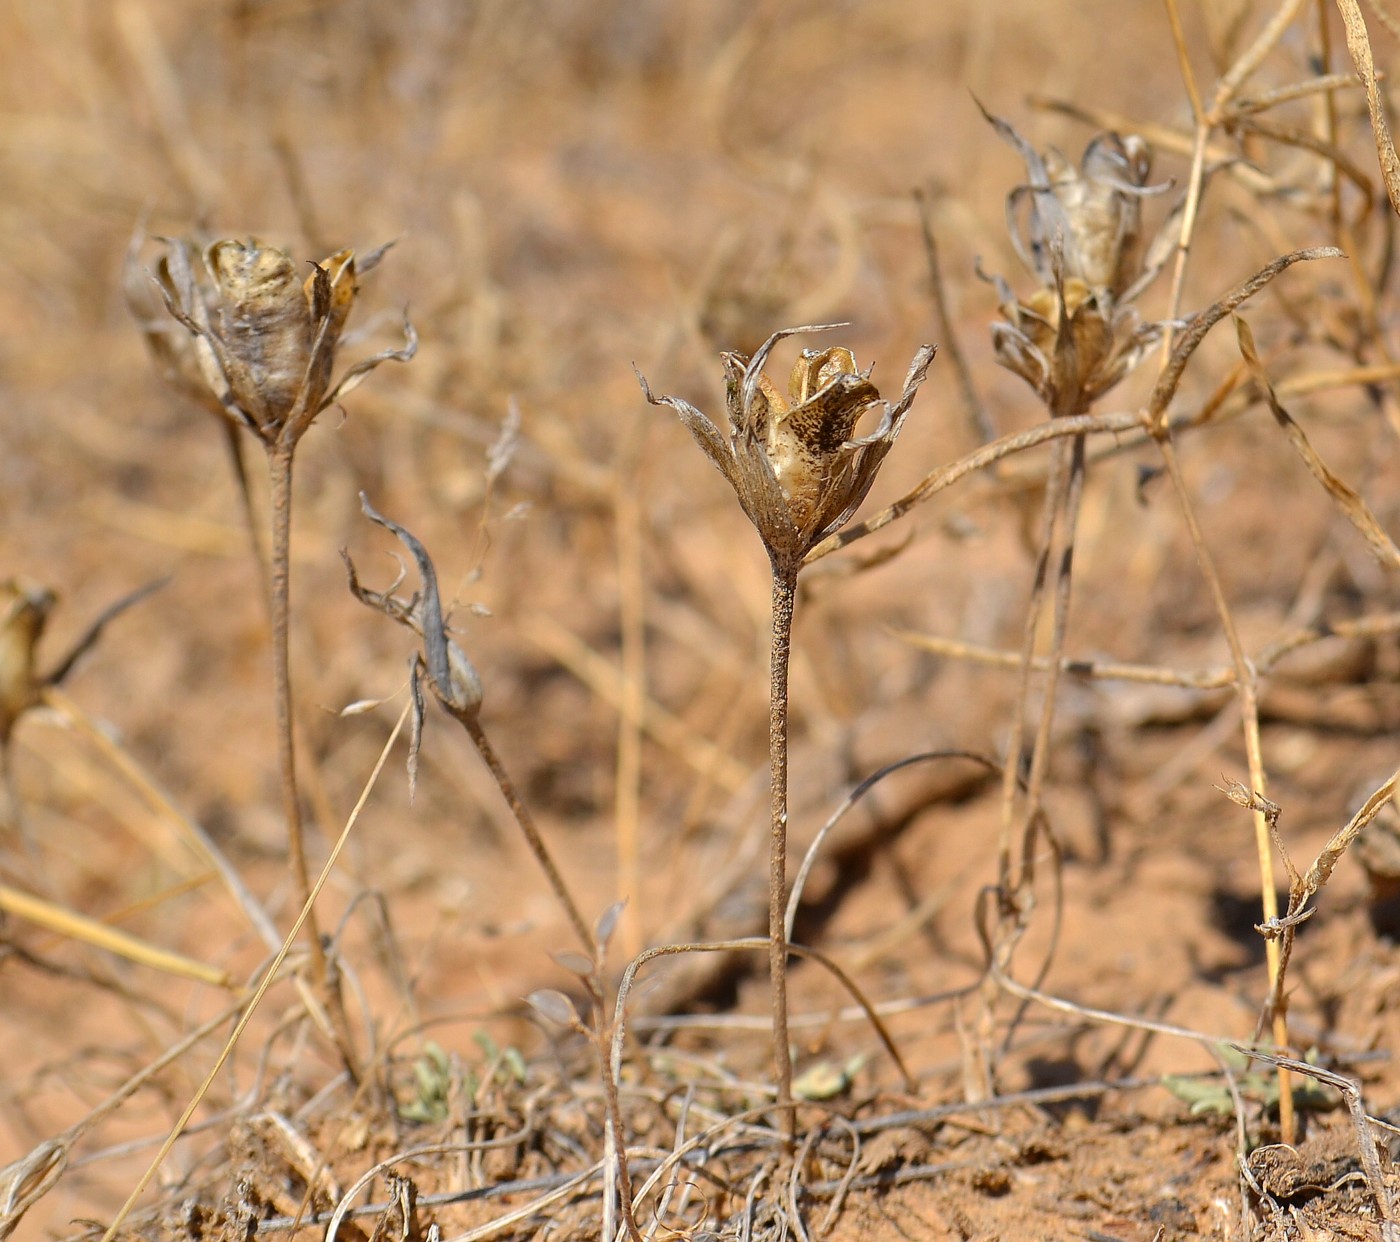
574	188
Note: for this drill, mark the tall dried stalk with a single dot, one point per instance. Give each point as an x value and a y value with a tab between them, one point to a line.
799	472
780	649
1079	231
259	350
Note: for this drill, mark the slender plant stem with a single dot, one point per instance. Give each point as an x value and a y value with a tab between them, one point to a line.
527	826
1040	750
616	1136
279	462
279	459
1007	866
1247	688
784	600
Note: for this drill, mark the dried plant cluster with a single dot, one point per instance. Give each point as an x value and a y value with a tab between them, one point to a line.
1077	335
649	1115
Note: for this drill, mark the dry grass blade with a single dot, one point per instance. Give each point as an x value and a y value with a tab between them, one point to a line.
191	831
1265	660
270	976
110	939
946	476
1357	512
1359	45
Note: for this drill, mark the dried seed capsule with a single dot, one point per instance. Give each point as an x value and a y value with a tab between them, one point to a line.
795	462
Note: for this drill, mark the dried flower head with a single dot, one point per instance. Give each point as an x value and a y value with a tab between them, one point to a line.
1070	343
1079	231
795	462
261	338
24	611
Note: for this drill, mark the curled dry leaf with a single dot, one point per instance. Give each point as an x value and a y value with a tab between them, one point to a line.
451	675
794	461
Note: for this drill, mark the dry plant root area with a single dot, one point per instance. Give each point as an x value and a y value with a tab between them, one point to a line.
682	619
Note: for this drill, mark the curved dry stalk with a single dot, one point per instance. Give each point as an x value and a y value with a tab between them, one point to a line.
847	803
1182	347
752	942
945	476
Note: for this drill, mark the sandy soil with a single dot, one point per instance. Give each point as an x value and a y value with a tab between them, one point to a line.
573	189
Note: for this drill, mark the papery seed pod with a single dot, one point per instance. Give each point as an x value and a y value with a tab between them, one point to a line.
173	348
795	463
1098	206
1082	223
1079	231
24	611
266	323
262	336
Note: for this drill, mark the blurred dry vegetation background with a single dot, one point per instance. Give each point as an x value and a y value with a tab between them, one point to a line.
575	187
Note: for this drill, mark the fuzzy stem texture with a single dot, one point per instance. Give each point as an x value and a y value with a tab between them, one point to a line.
784	600
280	471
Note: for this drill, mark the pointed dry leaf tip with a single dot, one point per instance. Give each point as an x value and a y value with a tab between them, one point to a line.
262	334
795	462
452	677
24	611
